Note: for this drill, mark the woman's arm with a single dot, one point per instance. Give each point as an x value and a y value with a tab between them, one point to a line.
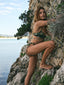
44	23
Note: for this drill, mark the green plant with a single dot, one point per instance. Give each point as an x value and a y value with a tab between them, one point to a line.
60	5
60	8
22	54
43	51
33	78
47	38
26	17
38	73
46	79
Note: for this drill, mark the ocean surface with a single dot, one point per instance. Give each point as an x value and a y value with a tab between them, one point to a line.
9	52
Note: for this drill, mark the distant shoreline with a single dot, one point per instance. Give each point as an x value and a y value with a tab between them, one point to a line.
13	38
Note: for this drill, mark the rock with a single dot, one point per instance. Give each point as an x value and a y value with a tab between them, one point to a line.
17	79
59	76
18	71
49	72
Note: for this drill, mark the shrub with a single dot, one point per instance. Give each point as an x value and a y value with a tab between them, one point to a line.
46	79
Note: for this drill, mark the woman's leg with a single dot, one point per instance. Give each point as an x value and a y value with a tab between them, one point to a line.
35	49
45	55
48	46
31	68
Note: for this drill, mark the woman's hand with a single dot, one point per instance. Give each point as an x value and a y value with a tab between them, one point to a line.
51	20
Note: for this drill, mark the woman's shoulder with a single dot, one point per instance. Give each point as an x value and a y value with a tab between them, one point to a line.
40	23
37	22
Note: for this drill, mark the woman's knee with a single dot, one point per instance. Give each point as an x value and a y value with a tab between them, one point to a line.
29	53
52	44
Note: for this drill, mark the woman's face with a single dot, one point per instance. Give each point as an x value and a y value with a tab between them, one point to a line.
42	14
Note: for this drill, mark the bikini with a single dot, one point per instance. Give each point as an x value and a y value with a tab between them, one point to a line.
38	34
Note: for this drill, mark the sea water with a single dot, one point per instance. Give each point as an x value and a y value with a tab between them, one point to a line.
9	52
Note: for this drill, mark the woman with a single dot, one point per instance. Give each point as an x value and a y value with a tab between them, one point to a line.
38	44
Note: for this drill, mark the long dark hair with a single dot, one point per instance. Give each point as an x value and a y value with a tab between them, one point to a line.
36	18
36	15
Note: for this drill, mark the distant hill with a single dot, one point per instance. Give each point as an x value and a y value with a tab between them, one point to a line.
4	35
11	36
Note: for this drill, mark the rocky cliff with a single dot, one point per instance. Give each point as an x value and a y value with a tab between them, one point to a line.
56	58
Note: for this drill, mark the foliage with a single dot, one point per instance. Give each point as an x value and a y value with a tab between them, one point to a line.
46	79
60	5
47	38
60	8
36	75
26	17
22	54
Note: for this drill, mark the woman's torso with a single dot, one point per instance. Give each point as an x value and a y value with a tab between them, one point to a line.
36	39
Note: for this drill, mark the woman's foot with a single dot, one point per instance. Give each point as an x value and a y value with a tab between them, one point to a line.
46	66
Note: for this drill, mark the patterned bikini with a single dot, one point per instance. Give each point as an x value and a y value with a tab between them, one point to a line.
39	34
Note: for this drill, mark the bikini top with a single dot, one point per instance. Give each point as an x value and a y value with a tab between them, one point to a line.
40	34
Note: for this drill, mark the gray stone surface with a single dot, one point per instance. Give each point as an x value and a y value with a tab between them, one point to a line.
59	76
